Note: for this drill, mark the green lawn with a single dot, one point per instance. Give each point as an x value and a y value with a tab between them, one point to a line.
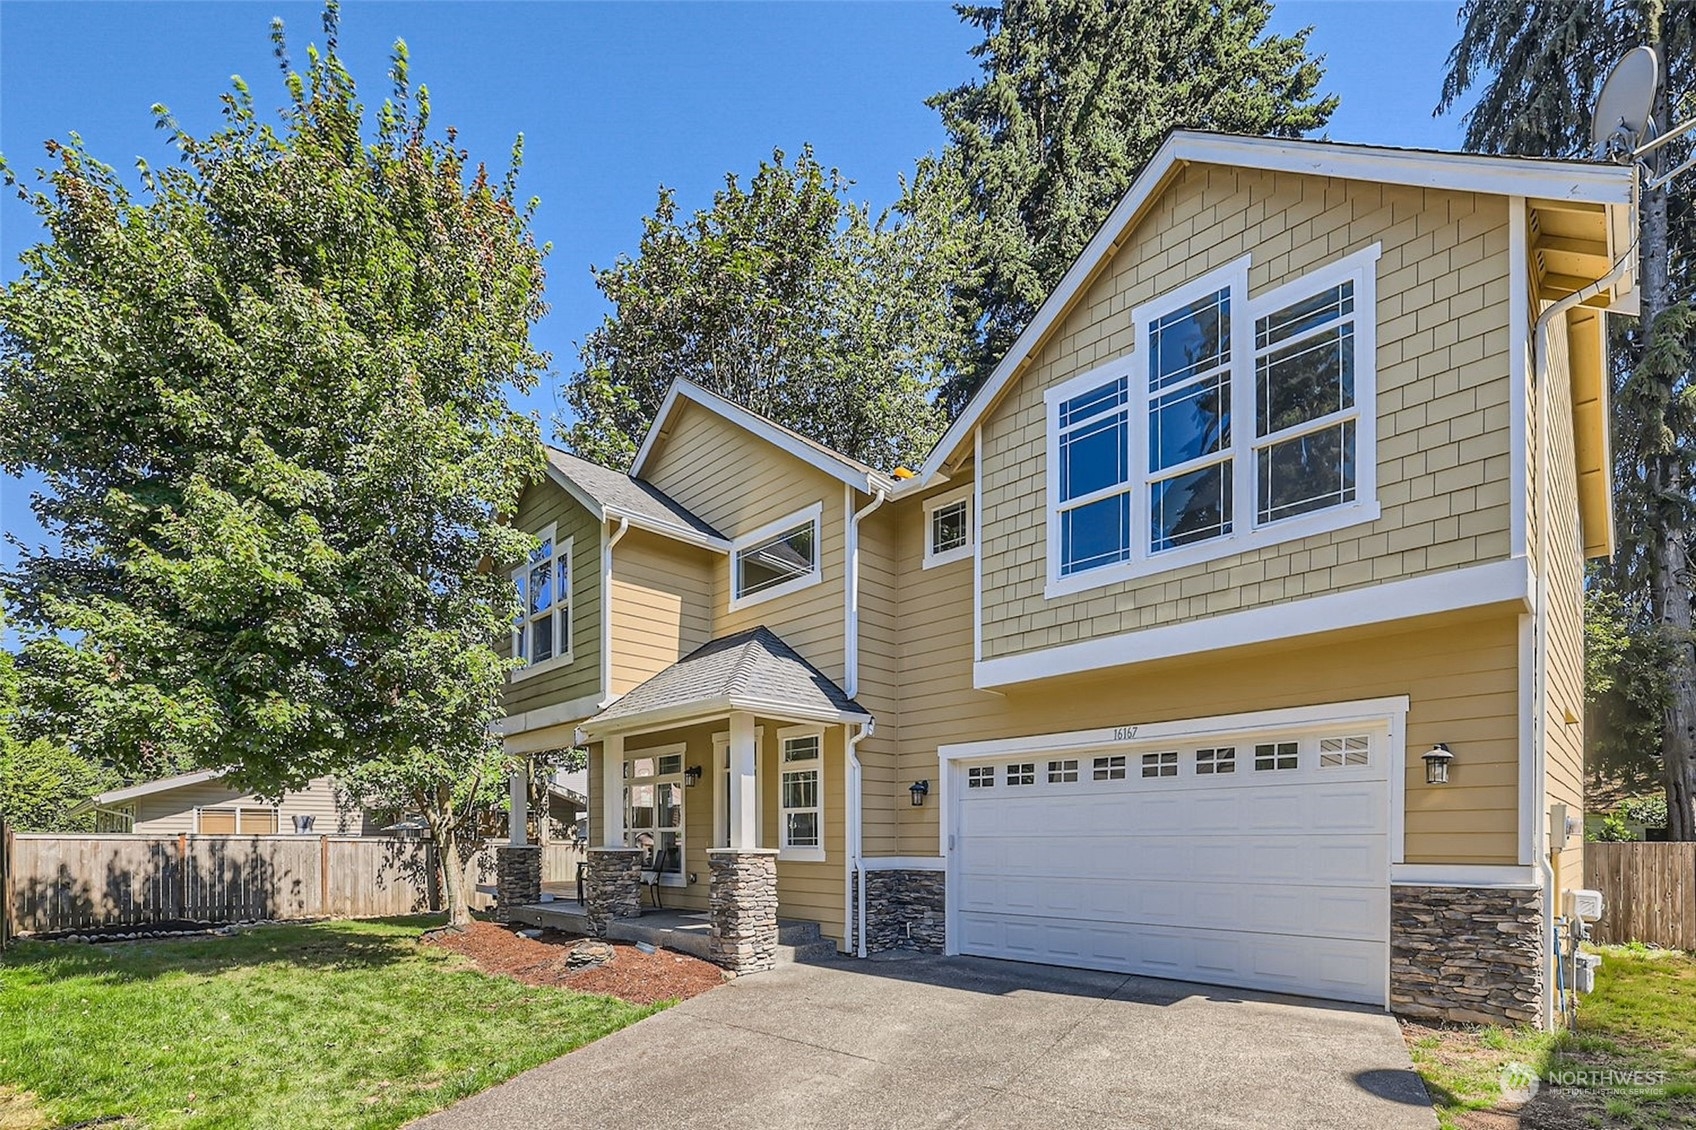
1641	1018
334	1024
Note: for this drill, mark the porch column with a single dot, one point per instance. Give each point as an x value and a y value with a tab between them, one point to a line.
612	791
518	798
744	802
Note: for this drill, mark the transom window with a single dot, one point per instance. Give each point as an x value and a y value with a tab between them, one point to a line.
1022	773
1109	768
1336	753
1148	468
1062	772
980	777
776	559
948	527
1212	762
1275	755
1160	764
653	811
801	793
542	629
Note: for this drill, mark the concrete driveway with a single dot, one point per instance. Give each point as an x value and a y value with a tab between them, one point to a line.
967	1042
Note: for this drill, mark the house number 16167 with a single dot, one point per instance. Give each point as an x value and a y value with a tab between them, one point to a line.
1124	733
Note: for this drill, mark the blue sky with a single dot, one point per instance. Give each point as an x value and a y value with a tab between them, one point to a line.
613	99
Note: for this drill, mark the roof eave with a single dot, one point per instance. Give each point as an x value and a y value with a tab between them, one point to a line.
670	717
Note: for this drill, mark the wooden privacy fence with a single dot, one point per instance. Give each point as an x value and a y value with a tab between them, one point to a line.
56	883
50	883
1650	892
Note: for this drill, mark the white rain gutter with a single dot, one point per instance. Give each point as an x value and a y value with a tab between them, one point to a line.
1540	637
851	676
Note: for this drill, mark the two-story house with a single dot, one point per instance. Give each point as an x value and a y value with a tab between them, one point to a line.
1231	634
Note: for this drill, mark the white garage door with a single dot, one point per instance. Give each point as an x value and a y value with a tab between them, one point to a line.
1259	862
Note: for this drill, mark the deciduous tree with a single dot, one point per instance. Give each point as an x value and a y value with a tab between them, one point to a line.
268	399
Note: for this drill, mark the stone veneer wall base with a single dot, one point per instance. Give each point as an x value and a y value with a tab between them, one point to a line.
1470	955
742	906
906	909
612	886
518	877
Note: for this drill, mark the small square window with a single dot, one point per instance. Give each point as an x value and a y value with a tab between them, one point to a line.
1275	755
1110	769
1021	773
1335	753
1062	772
1160	764
1211	762
980	777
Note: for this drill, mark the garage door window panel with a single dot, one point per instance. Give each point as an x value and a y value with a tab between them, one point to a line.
1276	756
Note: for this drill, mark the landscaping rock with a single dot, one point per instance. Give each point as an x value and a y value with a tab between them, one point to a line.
589	952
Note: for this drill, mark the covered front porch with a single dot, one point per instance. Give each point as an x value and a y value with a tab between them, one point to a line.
719	788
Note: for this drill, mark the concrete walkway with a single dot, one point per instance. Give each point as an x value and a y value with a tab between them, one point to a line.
968	1042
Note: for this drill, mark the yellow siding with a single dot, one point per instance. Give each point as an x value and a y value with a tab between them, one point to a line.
738	483
1443	397
542	504
172	813
1564	744
661	606
1460	673
881	636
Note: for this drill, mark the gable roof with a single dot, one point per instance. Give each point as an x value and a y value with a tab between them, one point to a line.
856	474
146	788
613	494
1540	178
753	670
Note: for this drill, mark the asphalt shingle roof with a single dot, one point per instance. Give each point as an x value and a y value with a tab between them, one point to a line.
623	494
754	665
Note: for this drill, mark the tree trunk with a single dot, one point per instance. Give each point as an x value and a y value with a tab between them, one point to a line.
444	828
1669	546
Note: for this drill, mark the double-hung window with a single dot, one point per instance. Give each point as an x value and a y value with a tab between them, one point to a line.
541	633
801	793
1236	422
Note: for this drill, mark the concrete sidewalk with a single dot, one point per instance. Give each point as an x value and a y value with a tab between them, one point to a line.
966	1042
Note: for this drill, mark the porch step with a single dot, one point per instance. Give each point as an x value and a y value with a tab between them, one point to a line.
792	932
810	951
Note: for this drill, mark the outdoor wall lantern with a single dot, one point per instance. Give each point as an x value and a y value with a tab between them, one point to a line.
692	776
919	789
1437	764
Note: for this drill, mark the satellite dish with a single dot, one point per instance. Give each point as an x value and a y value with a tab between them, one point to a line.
1621	118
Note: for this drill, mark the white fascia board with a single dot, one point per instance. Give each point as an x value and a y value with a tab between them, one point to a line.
1462	172
1500	582
164	785
559	714
1390	709
670	716
839	469
665	529
588	501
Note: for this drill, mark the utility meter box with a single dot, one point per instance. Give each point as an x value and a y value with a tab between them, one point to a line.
1585	904
1584	971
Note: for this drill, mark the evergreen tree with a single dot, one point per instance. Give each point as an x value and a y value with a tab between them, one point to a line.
1075	97
1541	66
792	301
268	400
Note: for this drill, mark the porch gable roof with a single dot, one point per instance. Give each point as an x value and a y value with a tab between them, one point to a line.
752	670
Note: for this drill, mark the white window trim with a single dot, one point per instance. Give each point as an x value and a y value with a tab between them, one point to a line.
813	514
682	780
958	553
1247	534
562	656
784	850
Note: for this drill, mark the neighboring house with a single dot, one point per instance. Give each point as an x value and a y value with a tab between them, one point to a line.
200	804
1281	490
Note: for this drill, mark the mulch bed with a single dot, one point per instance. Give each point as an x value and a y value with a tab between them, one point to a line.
631	975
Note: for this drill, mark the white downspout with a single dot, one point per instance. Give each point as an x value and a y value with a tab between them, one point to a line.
854	926
606	607
1540	637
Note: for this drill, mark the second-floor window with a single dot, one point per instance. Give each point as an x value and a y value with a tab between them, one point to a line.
776	559
948	527
542	631
1235	423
